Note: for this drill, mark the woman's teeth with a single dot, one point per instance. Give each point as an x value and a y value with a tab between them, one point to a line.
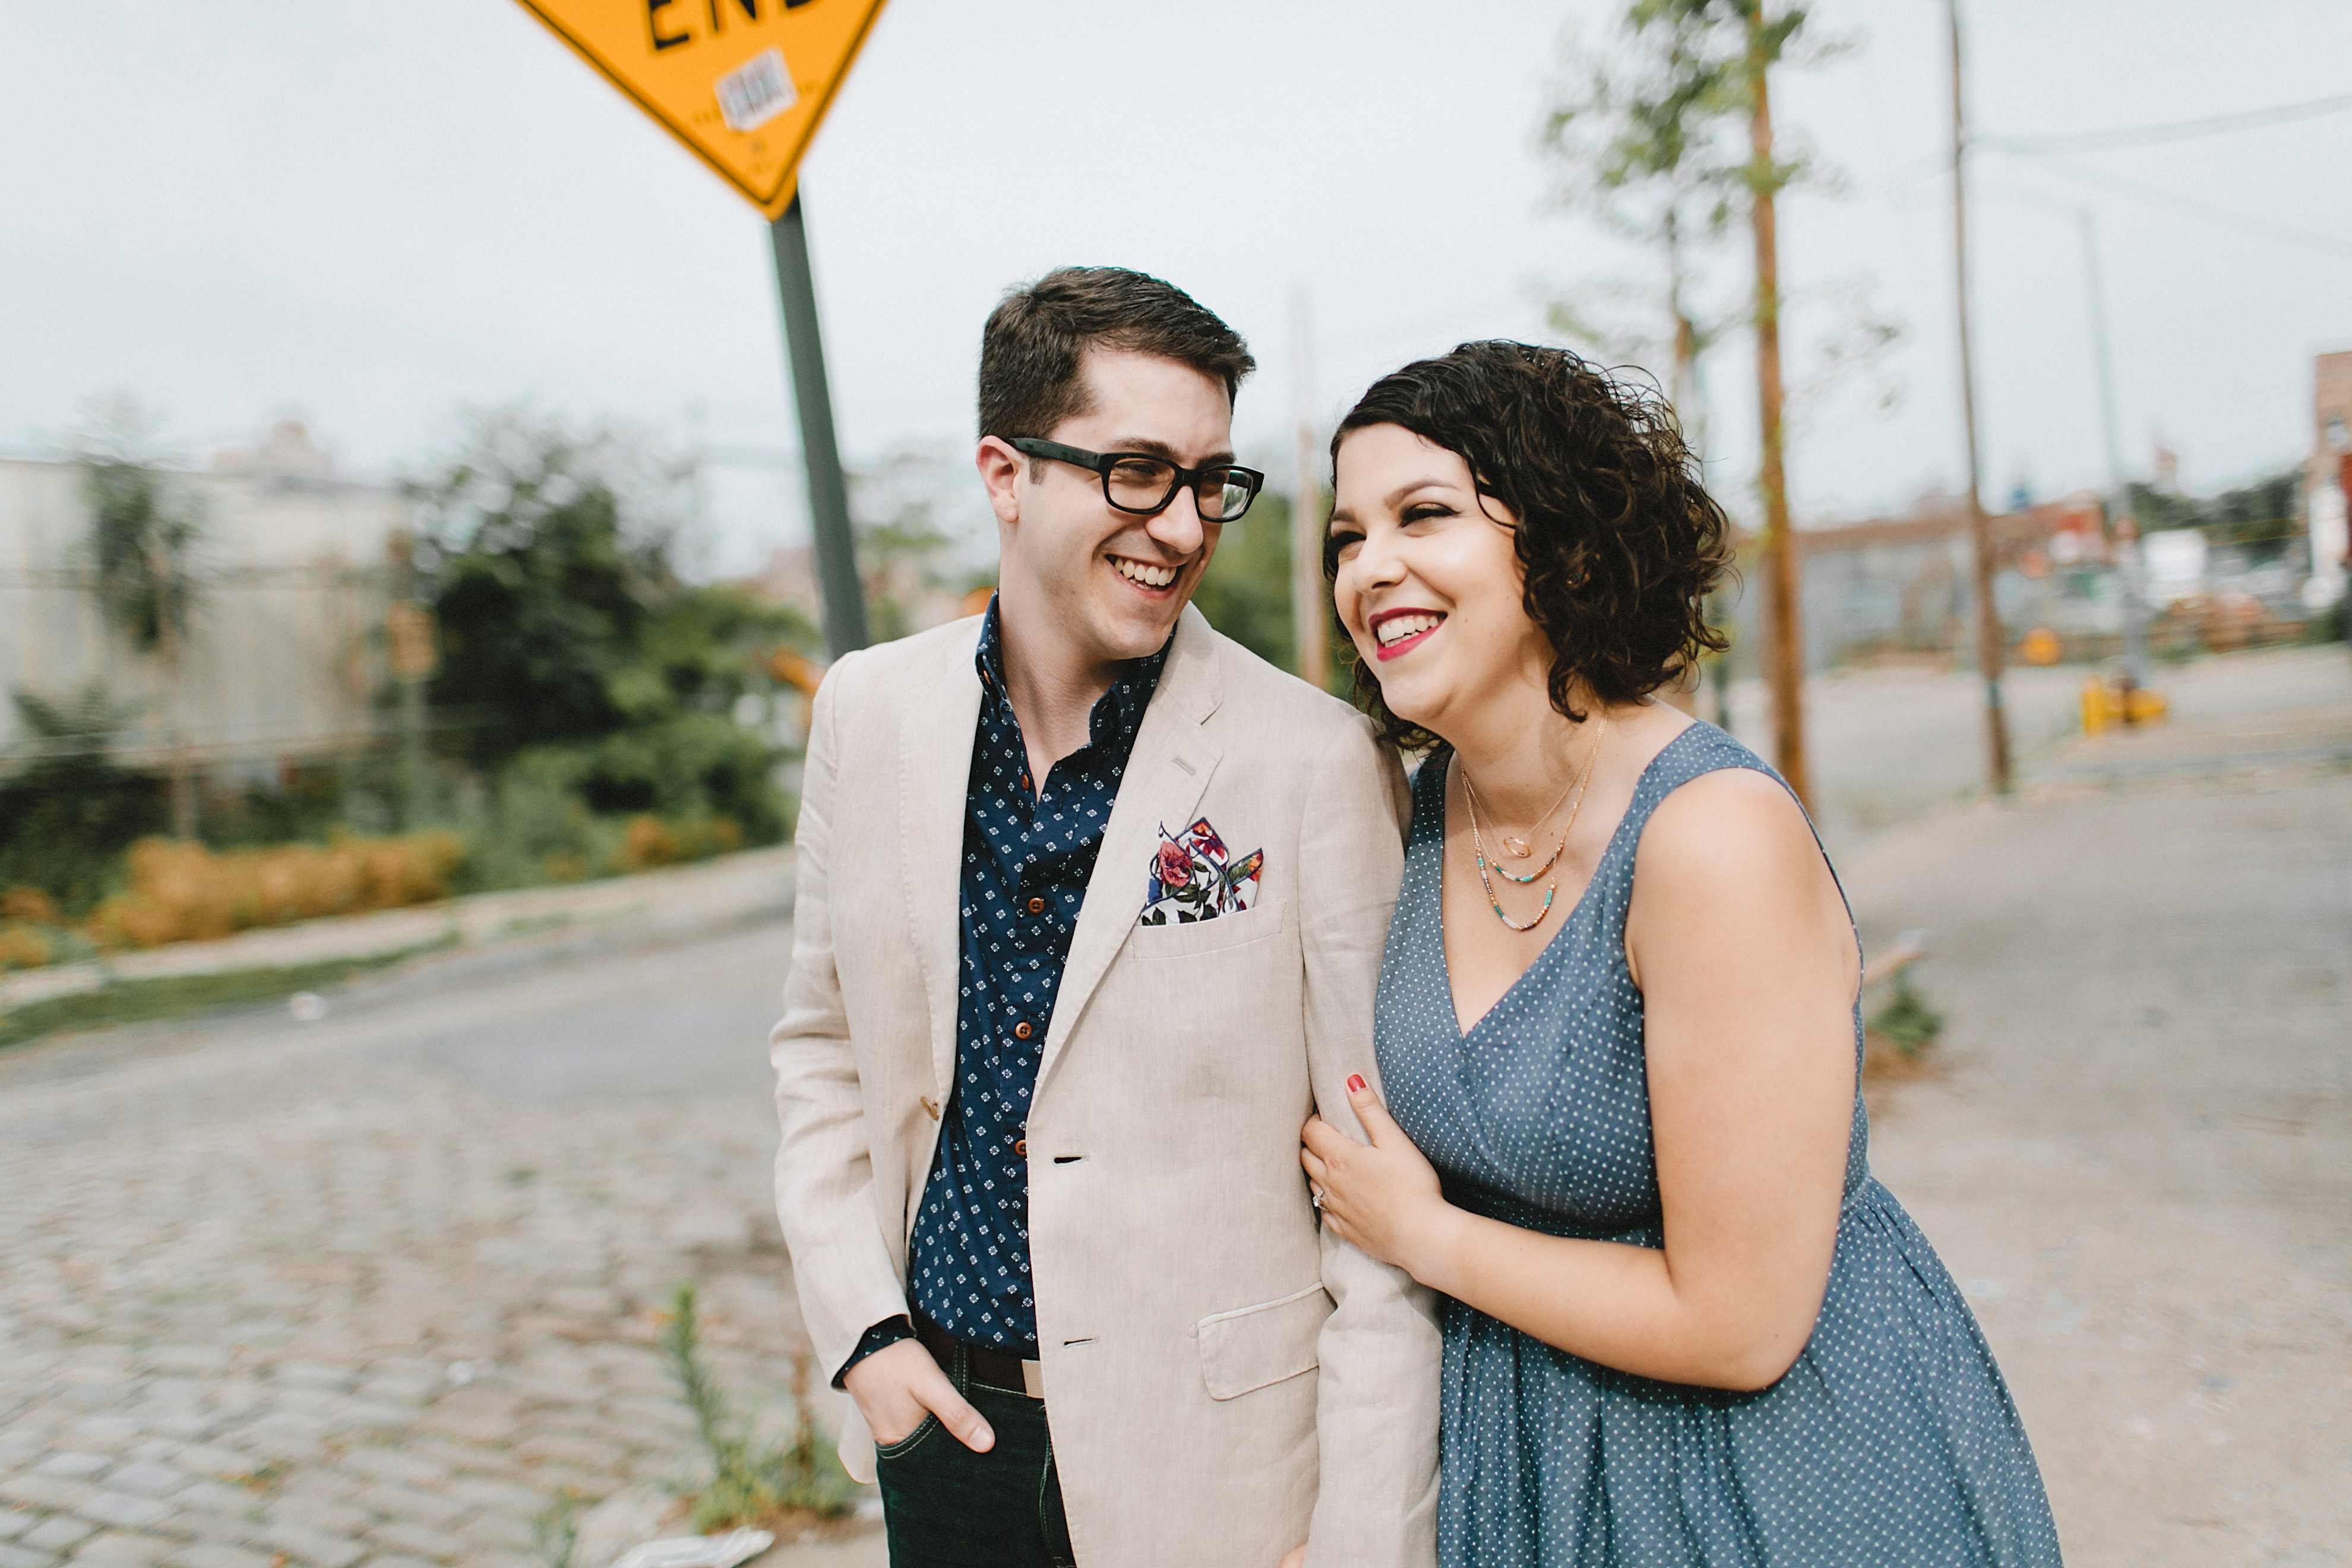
1148	576
1395	631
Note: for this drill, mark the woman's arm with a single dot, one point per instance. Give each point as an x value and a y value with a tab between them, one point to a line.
1748	970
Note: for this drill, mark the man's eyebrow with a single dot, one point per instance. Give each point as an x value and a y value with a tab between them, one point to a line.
1150	447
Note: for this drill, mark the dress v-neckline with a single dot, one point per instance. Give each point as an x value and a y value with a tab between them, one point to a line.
1445	958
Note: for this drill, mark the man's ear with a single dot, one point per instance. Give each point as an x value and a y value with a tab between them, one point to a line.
1000	471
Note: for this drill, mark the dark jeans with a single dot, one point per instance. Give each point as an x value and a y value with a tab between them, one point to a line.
947	1507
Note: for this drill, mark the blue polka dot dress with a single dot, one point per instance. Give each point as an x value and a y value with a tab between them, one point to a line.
1892	1439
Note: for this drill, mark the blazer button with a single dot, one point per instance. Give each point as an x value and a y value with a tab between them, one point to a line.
1022	1031
930	1107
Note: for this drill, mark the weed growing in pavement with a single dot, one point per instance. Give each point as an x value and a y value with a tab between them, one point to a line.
765	1487
1906	1020
556	1531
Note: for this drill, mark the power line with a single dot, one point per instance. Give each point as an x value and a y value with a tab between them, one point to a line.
2170	131
2245	223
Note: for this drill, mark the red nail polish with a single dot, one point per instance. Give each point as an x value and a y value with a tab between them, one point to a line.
1355	1083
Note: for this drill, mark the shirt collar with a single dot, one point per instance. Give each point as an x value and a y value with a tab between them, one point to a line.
1120	708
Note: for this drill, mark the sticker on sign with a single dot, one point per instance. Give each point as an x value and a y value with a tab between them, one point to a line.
756	91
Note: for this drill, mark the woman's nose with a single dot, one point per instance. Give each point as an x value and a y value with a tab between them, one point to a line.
1378	565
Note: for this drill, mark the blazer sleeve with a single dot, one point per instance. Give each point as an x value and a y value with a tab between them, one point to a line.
1377	1401
842	1265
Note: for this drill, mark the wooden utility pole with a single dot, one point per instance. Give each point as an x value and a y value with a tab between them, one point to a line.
1989	633
1783	606
1310	604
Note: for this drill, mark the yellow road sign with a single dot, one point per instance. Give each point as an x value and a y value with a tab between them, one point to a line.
743	83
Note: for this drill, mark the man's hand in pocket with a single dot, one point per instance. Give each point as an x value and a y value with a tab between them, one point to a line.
898	1385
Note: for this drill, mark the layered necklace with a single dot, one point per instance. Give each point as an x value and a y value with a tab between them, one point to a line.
1520	848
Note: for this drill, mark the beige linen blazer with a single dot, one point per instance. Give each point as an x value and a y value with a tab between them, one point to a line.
1224	1378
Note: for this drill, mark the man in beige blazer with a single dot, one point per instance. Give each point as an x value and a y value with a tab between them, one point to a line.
1091	910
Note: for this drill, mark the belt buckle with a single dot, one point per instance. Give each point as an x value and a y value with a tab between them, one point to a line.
1032	1379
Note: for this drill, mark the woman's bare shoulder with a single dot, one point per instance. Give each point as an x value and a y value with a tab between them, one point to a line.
1730	832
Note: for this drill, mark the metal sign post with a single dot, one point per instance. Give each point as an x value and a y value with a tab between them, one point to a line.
744	85
836	552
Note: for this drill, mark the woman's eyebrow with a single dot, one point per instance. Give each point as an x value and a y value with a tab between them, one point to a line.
1396	497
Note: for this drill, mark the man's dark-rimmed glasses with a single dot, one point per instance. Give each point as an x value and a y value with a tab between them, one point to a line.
1143	485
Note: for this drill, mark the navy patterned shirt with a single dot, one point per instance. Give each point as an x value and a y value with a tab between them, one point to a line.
1027	857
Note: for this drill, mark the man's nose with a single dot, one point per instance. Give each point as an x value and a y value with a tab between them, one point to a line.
1178	526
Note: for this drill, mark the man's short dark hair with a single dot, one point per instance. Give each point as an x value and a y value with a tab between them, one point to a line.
1033	352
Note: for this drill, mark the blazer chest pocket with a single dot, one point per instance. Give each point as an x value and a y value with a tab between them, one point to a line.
1251	1347
1236	930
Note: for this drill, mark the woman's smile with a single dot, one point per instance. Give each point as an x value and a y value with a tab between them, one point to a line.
1398	632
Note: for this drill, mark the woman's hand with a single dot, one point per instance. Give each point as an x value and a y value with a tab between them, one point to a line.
1383	1196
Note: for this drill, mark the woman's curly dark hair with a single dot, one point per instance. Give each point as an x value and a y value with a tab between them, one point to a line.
1619	541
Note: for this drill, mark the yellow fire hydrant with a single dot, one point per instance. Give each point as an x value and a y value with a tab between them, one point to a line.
2110	702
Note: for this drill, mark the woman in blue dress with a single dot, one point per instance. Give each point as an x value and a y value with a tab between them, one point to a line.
1620	1034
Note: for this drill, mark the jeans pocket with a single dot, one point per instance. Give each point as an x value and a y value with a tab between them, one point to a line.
911	1442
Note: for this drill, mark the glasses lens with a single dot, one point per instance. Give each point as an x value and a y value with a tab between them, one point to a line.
1225	496
1140	484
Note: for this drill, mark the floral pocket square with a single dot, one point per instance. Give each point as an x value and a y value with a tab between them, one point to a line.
1194	877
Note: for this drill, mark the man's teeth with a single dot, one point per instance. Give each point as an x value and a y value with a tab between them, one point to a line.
1150	576
1402	627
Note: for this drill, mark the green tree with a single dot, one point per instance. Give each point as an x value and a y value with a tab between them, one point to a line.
144	540
1245	593
539	593
70	809
578	673
2258	518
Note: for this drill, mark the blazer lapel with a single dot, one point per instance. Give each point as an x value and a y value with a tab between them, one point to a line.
1165	776
935	741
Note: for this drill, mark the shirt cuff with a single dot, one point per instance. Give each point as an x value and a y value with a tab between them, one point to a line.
886	1332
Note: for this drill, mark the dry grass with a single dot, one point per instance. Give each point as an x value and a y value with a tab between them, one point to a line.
184	892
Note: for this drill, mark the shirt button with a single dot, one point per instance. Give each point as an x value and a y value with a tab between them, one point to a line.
1036	906
1022	1030
1026	784
1021	1147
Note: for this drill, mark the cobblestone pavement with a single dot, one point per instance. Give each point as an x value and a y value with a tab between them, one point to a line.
380	1289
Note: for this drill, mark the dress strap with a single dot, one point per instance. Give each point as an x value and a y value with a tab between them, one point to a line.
1704	749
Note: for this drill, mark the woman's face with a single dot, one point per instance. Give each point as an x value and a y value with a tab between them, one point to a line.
1429	581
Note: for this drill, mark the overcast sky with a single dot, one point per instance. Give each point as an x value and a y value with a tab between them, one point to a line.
376	216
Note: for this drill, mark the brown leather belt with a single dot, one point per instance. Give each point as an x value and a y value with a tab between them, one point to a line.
999	1369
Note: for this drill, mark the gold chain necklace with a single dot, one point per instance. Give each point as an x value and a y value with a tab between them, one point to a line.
1478	842
1520	848
1578	786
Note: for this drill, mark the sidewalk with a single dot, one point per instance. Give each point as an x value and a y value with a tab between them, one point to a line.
2134	1151
734	889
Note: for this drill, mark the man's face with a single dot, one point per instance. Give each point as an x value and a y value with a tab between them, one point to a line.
1102	584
